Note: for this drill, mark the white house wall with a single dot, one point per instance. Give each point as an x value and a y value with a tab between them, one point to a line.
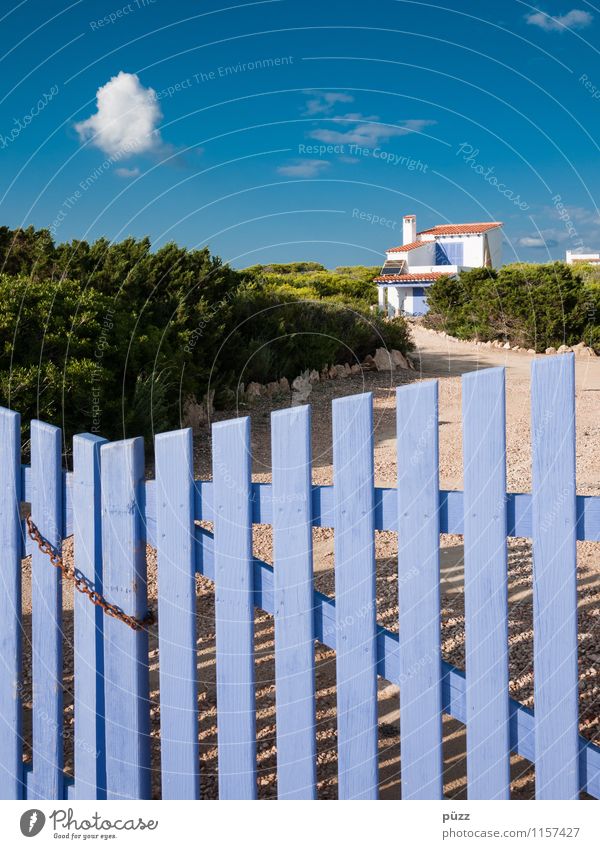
427	269
400	299
423	258
423	255
495	243
395	298
472	248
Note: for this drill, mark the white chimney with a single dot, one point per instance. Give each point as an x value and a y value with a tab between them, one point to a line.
409	229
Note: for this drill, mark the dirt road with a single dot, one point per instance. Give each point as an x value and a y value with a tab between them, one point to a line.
446	361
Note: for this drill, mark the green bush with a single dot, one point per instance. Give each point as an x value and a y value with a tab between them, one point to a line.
311	280
112	338
279	336
534	306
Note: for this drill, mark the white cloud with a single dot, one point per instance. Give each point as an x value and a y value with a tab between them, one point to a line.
126	118
580	214
536	242
323	102
367	131
575	19
304	168
127	173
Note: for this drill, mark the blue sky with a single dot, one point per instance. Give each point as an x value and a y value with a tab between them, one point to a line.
294	129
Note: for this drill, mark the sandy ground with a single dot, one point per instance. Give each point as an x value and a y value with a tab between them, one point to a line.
445	360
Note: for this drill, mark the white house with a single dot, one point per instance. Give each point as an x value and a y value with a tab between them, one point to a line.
573	257
441	251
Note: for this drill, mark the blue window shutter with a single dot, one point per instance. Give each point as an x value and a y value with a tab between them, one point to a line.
441	257
452	251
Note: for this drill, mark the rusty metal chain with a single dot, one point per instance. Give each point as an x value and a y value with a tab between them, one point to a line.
81	584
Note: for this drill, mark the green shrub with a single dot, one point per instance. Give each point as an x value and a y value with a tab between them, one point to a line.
111	338
534	306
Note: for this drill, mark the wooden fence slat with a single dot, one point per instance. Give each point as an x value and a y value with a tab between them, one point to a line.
554	577
90	761
234	609
127	706
46	614
485	585
177	615
11	545
419	592
356	630
293	604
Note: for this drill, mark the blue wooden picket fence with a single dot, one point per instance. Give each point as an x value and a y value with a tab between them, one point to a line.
112	511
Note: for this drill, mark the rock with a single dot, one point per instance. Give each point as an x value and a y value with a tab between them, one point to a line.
284	384
355	369
488	344
399	360
586	352
253	391
314	376
325	373
531	350
369	363
516	348
333	372
272	388
564	349
383	360
299	383
411	361
507	346
301	389
197	414
347	369
340	370
551	350
579	346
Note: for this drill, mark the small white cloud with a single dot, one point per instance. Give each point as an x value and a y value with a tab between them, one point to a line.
367	131
303	168
127	173
536	242
575	19
323	102
580	214
126	119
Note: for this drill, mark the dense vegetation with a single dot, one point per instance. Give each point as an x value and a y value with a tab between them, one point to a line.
113	338
534	306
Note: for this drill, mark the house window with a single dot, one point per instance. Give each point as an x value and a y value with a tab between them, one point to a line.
418	291
449	253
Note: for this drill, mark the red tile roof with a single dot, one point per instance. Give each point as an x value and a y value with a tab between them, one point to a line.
460	229
410	246
410	278
582	259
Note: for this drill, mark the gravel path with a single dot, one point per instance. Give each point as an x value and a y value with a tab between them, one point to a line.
446	360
